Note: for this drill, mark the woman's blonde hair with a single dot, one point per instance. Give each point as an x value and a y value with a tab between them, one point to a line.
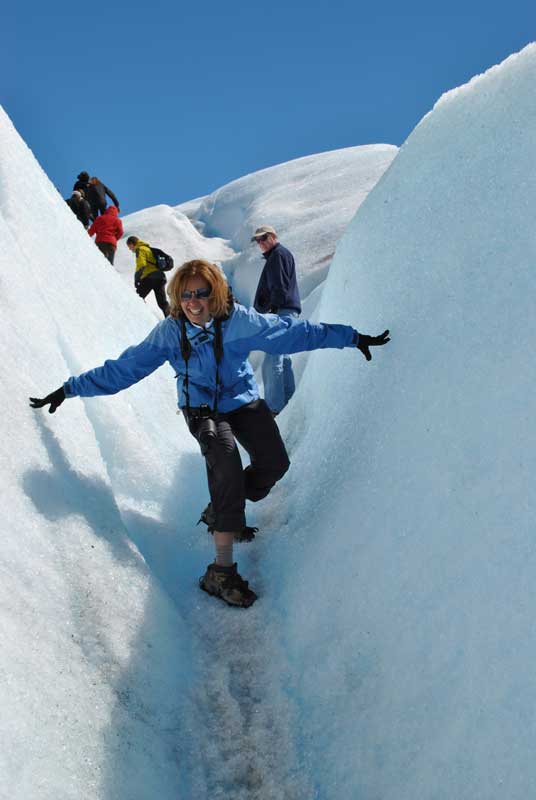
220	299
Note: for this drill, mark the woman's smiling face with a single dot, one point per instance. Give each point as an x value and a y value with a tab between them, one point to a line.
196	308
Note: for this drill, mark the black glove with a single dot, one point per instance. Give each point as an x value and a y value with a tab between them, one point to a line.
364	342
55	399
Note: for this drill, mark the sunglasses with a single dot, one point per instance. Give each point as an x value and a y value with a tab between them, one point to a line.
263	238
199	294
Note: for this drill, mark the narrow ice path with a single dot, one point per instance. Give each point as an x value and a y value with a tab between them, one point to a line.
237	729
243	716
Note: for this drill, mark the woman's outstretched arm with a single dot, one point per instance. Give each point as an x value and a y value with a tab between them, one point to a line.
134	364
285	335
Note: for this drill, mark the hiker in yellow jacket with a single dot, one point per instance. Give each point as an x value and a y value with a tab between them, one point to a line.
148	278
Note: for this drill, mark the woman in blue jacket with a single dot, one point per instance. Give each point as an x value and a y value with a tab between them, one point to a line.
207	339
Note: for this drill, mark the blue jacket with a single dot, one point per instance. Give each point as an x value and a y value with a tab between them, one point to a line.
245	330
278	287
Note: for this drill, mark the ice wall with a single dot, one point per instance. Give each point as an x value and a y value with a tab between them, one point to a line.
94	658
406	562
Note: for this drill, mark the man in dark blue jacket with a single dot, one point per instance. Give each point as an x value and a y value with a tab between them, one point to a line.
277	293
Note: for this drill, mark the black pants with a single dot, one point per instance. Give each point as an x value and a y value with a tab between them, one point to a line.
108	250
229	484
155	282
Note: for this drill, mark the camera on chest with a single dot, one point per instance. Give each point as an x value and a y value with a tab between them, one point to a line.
207	431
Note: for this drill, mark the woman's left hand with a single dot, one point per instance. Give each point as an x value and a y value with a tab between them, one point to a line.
364	342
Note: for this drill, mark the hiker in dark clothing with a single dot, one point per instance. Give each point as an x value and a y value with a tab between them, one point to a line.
107	229
82	183
207	340
148	278
96	196
277	293
80	206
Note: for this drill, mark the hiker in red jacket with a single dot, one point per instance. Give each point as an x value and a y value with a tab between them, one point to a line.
108	229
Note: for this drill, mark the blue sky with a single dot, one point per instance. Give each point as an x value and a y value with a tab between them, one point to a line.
168	101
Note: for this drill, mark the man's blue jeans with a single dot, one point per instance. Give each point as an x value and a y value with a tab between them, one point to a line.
277	375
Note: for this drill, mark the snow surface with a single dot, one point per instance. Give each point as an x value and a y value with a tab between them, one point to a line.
390	652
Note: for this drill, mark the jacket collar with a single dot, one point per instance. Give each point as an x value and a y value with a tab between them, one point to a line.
272	250
194	329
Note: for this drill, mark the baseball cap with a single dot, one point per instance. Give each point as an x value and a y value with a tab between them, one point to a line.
262	231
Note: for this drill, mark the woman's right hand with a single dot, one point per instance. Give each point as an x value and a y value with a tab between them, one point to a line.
55	399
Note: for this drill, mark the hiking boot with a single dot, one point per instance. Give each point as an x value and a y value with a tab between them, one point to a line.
247	534
228	585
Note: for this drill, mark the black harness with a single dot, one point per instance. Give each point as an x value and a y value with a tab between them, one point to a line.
186	352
